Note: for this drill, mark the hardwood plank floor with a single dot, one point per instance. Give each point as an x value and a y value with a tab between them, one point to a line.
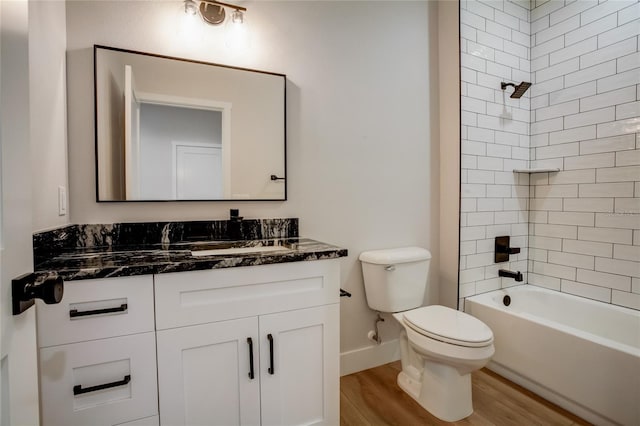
372	397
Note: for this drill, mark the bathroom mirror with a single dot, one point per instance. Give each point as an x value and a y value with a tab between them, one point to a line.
175	129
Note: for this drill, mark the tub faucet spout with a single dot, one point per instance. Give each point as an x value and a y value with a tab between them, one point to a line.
510	274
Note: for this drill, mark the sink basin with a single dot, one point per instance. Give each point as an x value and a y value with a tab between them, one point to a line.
238	250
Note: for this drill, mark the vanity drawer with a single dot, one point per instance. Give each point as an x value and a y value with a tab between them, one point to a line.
96	309
199	297
102	382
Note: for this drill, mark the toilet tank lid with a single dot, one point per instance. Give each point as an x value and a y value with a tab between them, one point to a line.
395	255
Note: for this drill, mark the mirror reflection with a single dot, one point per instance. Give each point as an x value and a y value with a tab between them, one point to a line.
174	129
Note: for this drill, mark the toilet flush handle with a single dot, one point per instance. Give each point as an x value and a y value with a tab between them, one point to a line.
390	268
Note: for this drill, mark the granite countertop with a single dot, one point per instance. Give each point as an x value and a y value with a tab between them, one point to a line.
119	261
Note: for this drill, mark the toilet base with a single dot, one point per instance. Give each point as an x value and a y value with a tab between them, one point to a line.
442	391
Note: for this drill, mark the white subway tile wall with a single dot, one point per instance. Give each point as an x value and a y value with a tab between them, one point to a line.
497	127
578	229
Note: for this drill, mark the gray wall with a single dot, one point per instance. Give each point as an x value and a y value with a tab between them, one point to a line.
362	125
47	84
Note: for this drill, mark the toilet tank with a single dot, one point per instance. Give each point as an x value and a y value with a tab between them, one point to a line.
395	279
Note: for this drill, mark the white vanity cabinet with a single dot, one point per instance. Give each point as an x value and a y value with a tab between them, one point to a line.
254	345
211	326
97	354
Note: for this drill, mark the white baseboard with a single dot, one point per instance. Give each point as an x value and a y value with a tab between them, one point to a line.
369	357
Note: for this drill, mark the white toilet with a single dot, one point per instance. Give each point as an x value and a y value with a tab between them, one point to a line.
439	346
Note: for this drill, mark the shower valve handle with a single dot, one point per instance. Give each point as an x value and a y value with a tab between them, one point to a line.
503	249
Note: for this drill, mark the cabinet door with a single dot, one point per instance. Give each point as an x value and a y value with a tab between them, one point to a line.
303	385
203	374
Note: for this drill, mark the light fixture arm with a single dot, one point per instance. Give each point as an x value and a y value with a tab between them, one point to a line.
219	3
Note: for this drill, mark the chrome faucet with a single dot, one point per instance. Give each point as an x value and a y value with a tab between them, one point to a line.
510	274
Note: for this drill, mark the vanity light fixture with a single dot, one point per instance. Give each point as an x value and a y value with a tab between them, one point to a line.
213	12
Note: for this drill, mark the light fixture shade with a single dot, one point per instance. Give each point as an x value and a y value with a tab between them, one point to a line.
190	7
237	31
237	17
188	29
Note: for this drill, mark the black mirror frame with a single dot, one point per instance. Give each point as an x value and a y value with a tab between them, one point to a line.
95	117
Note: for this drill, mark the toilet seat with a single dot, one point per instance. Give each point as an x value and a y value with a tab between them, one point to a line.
449	326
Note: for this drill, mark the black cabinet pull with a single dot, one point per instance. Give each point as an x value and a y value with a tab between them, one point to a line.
271	369
250	342
77	389
73	313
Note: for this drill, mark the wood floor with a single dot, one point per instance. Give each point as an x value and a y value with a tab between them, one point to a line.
372	397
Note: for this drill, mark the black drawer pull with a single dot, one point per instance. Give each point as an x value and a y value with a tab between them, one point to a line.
251	372
77	389
73	313
271	369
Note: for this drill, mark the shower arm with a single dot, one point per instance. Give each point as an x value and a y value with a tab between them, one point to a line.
504	85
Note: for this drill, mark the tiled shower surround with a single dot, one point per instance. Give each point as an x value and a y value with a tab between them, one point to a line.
579	229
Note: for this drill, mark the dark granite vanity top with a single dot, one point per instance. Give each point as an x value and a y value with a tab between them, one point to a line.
101	251
91	263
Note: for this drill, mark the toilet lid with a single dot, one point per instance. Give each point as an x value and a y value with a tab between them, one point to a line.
448	325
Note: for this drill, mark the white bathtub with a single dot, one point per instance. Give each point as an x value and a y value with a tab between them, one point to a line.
578	353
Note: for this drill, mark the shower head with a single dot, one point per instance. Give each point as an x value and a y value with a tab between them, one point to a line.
519	89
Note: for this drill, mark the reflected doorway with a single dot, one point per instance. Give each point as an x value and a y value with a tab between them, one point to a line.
197	171
183	153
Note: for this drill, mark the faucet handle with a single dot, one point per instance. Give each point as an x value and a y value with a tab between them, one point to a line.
234	214
503	249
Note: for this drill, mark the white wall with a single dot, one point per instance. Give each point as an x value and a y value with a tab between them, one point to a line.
585	108
362	129
47	81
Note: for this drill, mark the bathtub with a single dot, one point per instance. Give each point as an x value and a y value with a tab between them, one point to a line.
580	354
